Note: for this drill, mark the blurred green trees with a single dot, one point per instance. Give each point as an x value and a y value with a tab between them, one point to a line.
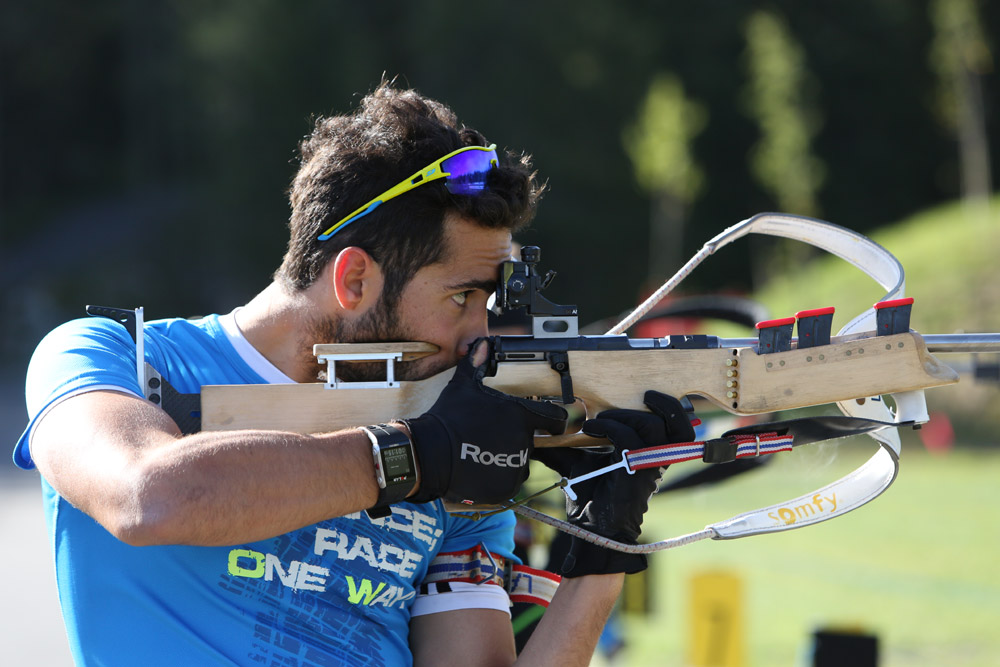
145	147
659	145
960	57
779	89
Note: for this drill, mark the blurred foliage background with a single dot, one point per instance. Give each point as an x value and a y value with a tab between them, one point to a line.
145	146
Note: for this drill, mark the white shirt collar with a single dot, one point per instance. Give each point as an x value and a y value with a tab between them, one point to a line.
254	359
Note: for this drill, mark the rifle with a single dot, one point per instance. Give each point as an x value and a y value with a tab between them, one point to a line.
875	355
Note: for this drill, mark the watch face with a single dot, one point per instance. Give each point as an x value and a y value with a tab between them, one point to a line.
397	463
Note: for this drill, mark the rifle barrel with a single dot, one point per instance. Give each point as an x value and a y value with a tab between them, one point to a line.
963	342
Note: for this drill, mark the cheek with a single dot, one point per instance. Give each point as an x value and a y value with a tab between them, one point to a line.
426	316
434	320
450	328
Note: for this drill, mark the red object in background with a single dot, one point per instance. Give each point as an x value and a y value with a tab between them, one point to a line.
937	434
686	315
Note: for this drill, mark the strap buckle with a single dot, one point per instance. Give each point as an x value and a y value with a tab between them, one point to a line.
722	450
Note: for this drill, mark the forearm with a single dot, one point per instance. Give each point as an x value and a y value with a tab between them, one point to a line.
240	486
570	628
125	464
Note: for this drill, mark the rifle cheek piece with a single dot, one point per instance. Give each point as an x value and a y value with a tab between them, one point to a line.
719	450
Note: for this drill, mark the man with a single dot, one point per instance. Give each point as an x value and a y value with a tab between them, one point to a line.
252	547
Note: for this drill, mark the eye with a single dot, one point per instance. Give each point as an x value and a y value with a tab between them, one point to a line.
461	297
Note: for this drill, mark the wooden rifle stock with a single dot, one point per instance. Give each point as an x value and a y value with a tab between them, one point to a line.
736	379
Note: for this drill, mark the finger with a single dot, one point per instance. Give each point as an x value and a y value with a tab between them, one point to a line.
479	351
662	404
546	416
559	459
675	418
543	415
621	435
650	427
465	369
472	366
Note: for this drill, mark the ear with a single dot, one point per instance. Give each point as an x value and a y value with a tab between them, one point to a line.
357	279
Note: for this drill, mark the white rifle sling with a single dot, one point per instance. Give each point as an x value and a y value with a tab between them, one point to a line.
878	473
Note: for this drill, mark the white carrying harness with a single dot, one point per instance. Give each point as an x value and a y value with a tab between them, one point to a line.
852	491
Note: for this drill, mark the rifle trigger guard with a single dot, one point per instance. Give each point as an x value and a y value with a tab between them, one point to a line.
559	361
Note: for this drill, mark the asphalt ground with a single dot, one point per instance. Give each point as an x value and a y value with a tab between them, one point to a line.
31	627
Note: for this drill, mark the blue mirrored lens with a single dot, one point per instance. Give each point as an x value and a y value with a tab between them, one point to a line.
468	171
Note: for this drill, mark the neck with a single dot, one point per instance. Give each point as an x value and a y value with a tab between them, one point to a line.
276	322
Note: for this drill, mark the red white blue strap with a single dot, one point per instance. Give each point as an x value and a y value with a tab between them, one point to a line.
479	566
729	447
746	445
833	500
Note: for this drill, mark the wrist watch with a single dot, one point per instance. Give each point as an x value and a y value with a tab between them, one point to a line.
395	466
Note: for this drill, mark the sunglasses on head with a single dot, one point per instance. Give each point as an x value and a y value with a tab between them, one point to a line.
464	171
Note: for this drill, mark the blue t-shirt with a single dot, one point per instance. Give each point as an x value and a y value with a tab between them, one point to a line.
337	592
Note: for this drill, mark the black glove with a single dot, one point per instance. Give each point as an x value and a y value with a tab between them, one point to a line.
612	505
475	443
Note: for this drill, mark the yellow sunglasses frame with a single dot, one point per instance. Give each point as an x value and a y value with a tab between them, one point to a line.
432	172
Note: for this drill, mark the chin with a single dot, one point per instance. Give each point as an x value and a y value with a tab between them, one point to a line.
423	369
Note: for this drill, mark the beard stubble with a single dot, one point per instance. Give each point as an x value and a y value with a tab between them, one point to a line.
379	325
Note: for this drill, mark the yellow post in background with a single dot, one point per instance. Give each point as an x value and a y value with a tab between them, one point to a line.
716	618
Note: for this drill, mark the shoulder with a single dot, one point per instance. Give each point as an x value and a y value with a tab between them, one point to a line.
95	334
76	350
101	351
85	333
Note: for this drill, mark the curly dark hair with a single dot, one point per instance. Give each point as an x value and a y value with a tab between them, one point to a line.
348	160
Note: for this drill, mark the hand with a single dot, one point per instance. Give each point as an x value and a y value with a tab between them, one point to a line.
612	505
475	443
